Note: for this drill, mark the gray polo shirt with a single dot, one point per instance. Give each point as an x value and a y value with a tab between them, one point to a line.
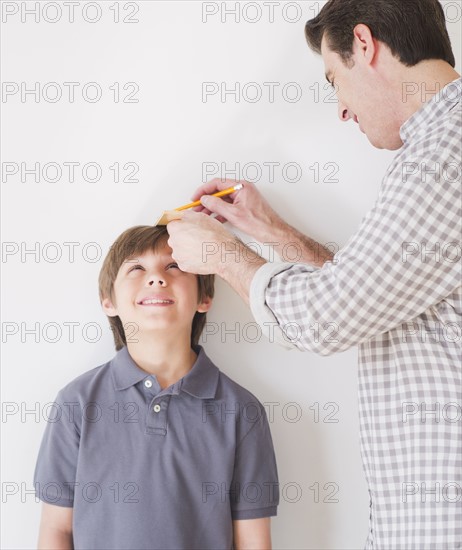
146	468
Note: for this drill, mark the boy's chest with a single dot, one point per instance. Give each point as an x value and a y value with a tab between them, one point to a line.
173	433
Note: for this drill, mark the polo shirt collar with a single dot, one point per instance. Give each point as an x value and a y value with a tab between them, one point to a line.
432	112
201	381
125	372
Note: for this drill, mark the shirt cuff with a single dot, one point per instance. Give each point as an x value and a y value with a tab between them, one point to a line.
64	502
261	312
254	514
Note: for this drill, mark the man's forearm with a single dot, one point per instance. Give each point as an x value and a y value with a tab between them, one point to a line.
238	265
293	246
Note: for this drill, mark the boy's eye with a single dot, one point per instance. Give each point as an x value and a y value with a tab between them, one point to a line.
173	264
138	266
135	267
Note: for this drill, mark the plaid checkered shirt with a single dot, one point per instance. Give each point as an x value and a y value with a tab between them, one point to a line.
394	290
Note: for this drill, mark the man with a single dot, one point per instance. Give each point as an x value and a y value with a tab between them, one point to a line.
395	288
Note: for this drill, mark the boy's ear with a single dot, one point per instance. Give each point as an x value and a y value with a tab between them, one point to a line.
109	308
205	304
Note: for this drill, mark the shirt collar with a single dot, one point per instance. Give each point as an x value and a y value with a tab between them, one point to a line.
439	105
201	381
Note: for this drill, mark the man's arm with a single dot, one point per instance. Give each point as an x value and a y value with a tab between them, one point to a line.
307	250
239	267
55	528
250	212
252	534
202	245
239	263
391	270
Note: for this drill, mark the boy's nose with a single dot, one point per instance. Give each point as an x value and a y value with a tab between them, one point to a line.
156	281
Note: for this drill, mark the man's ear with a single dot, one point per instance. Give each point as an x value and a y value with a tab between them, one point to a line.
205	304
109	308
364	43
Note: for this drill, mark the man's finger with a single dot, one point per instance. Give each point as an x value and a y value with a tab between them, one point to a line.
208	188
213	186
217	206
171	226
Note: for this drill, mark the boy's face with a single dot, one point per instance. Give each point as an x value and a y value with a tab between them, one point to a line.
154	294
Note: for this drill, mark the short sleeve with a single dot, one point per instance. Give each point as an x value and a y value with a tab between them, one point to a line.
255	480
55	470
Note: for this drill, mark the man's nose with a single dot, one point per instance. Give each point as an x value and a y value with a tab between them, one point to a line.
343	113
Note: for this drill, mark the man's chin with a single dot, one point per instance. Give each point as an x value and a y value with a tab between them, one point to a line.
389	145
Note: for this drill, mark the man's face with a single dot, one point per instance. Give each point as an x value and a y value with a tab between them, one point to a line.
151	292
362	97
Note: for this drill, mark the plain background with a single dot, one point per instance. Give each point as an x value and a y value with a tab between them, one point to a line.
326	177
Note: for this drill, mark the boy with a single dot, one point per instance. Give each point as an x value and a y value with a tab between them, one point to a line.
157	448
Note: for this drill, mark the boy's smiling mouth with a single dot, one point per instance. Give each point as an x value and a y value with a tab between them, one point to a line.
156	300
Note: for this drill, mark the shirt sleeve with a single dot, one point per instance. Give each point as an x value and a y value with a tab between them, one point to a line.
404	258
55	470
255	486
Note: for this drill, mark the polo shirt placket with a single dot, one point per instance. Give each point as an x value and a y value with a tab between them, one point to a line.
158	402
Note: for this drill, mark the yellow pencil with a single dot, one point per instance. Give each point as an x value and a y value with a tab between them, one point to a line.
170	215
218	194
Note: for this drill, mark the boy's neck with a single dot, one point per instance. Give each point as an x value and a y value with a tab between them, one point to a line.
168	359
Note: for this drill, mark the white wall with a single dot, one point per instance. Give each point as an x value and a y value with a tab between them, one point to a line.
169	134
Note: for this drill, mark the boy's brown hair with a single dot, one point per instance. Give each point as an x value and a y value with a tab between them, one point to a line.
137	240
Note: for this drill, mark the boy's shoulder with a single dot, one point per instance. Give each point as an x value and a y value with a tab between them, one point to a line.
230	388
230	391
84	385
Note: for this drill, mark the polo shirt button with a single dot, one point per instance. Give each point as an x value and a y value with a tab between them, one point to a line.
156	408
148	383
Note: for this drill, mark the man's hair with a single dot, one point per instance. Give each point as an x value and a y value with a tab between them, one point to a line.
137	240
414	30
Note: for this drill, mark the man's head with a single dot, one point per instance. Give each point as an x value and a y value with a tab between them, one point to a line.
142	288
368	47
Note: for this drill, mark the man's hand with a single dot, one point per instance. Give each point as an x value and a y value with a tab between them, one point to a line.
197	242
202	245
246	209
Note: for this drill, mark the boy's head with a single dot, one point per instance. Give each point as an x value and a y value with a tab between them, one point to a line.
141	287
